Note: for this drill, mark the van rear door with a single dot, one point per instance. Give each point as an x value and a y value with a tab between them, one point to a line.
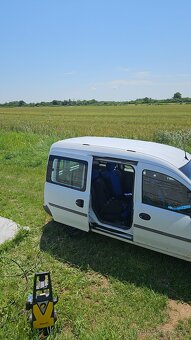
67	189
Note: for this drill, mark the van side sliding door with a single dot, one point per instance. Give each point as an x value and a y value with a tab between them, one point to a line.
67	189
162	219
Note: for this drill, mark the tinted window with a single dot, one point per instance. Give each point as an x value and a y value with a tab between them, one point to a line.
165	192
67	172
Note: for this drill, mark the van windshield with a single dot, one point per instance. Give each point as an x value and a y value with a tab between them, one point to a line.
186	169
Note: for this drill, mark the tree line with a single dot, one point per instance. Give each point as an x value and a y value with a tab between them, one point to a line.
177	98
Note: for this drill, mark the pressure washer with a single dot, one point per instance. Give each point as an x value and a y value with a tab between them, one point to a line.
42	302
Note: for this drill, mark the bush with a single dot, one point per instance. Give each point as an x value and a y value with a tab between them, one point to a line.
180	139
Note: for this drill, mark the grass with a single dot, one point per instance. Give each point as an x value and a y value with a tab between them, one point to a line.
107	289
134	121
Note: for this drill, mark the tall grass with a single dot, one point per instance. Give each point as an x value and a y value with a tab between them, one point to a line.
133	121
180	138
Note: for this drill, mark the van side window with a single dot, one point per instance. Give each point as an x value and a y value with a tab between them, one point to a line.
165	192
67	172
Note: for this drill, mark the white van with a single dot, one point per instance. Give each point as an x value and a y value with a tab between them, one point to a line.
135	191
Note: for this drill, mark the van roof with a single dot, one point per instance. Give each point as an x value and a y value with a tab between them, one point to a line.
166	153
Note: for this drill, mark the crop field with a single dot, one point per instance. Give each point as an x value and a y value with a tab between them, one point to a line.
107	289
133	121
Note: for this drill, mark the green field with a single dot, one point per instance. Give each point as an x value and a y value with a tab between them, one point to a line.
107	289
133	121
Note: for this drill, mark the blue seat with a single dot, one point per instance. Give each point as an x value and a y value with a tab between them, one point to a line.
108	202
112	175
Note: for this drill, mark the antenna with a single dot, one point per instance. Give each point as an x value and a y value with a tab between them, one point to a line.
184	143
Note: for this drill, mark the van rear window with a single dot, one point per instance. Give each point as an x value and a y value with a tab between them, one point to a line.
67	172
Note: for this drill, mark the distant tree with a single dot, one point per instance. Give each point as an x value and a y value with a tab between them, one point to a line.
21	103
177	95
146	100
55	102
92	101
65	102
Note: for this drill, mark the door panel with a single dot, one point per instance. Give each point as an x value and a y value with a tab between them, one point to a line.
67	190
160	227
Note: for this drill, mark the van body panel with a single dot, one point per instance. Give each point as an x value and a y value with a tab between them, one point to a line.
166	230
68	205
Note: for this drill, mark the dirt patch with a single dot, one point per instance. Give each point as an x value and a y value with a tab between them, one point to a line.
98	280
177	311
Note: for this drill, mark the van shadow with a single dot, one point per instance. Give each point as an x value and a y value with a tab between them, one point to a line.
120	260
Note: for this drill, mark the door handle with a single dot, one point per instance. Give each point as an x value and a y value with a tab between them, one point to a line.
144	216
80	203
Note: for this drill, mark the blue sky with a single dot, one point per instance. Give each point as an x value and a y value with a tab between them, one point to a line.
102	49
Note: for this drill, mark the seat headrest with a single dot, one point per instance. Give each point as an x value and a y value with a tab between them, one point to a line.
110	166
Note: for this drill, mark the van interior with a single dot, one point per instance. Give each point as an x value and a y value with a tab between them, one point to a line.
112	189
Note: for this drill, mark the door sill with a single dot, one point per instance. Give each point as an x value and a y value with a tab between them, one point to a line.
113	232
